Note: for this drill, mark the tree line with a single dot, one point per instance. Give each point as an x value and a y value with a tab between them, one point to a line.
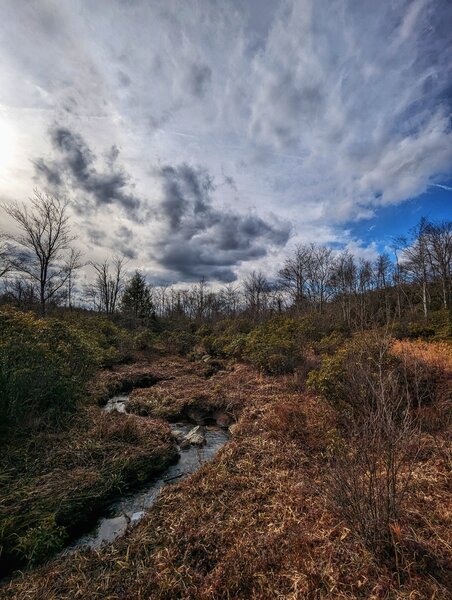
39	266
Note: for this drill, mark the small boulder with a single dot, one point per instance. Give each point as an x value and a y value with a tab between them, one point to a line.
179	436
196	436
184	444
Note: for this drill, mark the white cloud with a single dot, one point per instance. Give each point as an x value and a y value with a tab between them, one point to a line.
320	110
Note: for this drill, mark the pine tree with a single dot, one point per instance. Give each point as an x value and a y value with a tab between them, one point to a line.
137	298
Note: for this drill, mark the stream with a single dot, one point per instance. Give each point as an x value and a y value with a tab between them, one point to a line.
131	508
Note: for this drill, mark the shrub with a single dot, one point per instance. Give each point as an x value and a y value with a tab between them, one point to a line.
179	341
144	340
352	378
370	471
275	346
349	378
371	467
329	344
230	345
109	343
44	365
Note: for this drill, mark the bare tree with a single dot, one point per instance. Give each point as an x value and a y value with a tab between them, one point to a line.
320	269
439	250
161	300
294	274
73	263
256	289
415	261
344	281
230	299
199	297
371	467
6	259
108	284
43	238
20	292
383	270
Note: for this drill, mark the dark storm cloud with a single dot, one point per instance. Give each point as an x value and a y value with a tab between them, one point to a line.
201	240
76	163
124	79
185	189
125	243
112	155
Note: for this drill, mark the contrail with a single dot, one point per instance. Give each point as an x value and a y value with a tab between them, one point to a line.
444	187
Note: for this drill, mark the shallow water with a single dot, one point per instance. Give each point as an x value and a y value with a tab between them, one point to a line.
131	508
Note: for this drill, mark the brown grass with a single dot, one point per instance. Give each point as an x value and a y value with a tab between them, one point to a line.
256	522
53	482
190	394
141	374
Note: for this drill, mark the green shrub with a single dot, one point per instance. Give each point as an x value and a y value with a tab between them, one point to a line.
234	346
226	345
180	341
111	344
329	344
44	365
420	330
276	346
441	322
438	327
144	340
349	377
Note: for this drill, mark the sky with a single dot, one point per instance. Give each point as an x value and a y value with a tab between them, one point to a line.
206	138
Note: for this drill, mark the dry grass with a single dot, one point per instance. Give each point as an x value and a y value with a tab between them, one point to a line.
140	374
434	360
438	355
53	482
190	395
256	523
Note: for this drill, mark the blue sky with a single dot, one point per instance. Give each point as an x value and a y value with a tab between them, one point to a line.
435	204
207	138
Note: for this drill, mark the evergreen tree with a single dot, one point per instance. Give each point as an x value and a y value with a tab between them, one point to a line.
137	297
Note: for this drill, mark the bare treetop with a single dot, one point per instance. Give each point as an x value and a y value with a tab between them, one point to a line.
40	244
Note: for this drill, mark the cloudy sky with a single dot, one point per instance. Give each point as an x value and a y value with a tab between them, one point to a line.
204	138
